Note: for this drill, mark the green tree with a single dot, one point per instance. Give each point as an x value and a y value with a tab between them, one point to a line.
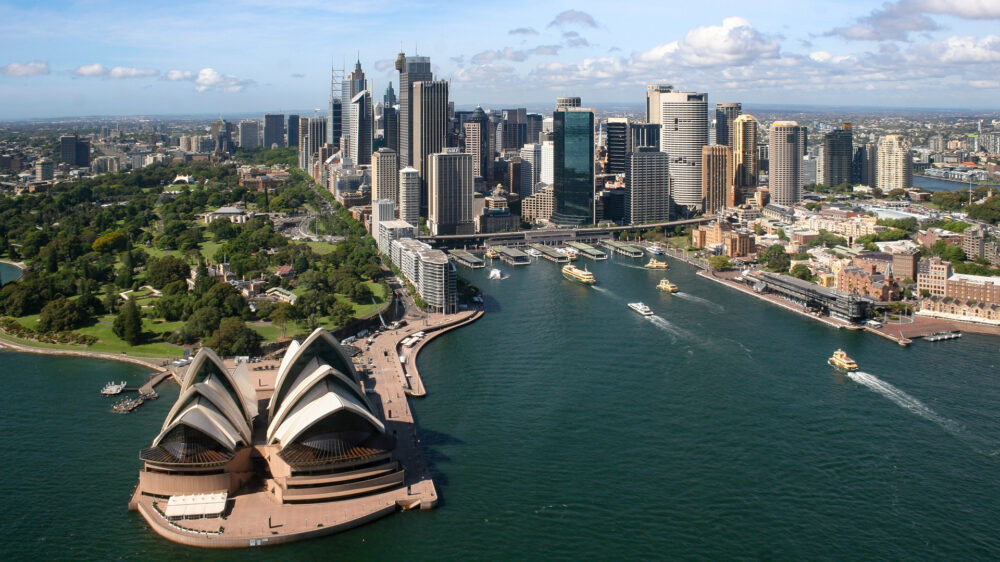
166	270
776	259
128	324
281	314
60	315
110	242
801	271
234	337
719	263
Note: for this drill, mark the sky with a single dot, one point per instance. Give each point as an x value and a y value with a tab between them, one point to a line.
105	57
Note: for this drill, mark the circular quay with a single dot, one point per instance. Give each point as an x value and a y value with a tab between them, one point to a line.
427	280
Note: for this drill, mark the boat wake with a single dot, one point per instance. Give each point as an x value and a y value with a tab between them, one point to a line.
666	326
904	400
601	289
713	305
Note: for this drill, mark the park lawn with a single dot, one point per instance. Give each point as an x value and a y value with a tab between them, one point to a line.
272	332
363	309
322	248
108	342
155	252
29	321
208	249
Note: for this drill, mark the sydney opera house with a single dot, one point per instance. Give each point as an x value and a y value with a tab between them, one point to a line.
234	449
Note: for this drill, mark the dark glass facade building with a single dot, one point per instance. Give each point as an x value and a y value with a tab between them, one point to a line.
573	169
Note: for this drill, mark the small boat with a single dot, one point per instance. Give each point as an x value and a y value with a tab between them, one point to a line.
496	274
491	253
113	388
666	285
640	308
532	252
656	264
577	275
841	361
655	250
940	336
572	253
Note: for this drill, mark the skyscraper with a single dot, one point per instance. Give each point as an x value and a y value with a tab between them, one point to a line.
411	69
360	129
865	164
429	100
568	101
385	175
317	138
531	168
293	131
895	163
450	205
683	131
725	114
409	196
744	155
477	143
836	157
303	142
74	151
644	134
717	178
274	130
619	144
352	85
249	133
513	129
390	119
573	166
547	173
647	186
785	162
653	107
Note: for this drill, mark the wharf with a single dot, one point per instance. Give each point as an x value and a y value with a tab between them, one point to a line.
550	254
622	248
588	251
512	256
467	259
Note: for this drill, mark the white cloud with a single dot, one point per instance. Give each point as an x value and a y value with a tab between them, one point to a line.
507	53
91	70
735	42
384	64
573	17
131	72
968	49
985	83
896	20
178	75
967	9
23	70
523	31
545	50
211	79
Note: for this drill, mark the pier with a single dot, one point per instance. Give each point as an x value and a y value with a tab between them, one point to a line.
622	248
512	256
467	259
588	251
550	254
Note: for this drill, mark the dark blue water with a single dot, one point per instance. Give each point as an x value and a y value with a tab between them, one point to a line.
8	273
564	425
935	184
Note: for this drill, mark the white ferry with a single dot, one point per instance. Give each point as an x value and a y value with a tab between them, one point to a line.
113	388
640	308
496	274
532	252
655	250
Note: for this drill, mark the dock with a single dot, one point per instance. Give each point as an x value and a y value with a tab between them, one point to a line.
467	259
588	251
623	248
550	254
511	256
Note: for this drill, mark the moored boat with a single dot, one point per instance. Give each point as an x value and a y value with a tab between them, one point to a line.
491	253
113	388
577	275
841	361
655	250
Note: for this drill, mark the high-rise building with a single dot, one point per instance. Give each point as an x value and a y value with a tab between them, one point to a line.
787	144
865	165
531	168
647	186
717	178
334	131
317	138
274	130
249	133
547	173
512	131
411	69
836	157
44	169
534	127
450	204
619	144
895	163
568	101
409	196
293	131
303	145
360	129
573	165
725	114
352	85
477	143
390	119
74	151
653	107
644	134
745	167
382	210
385	175
683	131
429	124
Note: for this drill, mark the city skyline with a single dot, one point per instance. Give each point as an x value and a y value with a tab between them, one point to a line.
190	58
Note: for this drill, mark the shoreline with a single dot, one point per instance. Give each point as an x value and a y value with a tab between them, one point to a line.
151	362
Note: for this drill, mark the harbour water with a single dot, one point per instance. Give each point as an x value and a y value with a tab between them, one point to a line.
564	425
937	184
8	273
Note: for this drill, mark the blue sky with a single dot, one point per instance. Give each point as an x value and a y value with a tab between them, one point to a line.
103	57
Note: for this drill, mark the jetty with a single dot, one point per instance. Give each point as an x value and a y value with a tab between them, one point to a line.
588	251
550	253
467	259
512	256
622	248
